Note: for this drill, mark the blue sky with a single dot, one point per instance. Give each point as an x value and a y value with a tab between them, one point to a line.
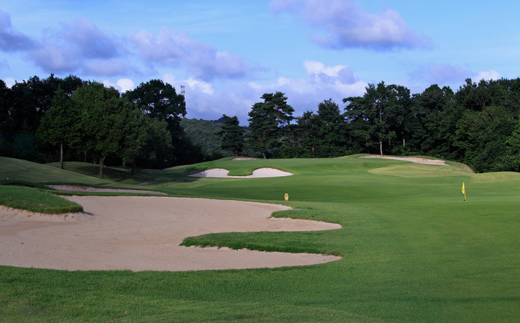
228	53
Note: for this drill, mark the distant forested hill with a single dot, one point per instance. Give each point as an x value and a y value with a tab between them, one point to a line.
202	133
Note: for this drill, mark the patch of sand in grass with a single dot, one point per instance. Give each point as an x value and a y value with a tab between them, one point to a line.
143	233
257	173
81	188
419	160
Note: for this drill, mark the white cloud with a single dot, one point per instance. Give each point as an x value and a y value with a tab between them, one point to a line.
204	87
487	76
236	98
9	81
197	86
172	48
348	26
125	85
314	67
107	84
441	74
122	85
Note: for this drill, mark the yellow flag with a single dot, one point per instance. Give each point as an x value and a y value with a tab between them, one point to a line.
463	189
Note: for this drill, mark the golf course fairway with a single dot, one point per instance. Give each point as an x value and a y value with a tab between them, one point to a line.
412	249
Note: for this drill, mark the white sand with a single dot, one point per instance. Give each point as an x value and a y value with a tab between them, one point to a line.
257	173
411	159
144	233
81	188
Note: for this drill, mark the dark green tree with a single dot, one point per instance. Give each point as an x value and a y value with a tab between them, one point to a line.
159	100
380	114
483	136
332	128
61	124
108	122
267	121
232	134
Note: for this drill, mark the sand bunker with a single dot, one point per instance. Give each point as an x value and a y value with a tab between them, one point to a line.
81	188
257	173
144	233
419	160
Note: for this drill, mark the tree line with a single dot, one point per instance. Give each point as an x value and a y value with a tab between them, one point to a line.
73	119
477	125
87	121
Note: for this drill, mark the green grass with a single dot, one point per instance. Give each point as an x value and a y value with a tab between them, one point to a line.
34	200
21	170
413	251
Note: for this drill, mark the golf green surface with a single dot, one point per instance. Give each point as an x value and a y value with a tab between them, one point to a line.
413	250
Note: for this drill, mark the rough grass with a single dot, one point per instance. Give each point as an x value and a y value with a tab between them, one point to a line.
34	200
418	170
495	177
21	170
413	251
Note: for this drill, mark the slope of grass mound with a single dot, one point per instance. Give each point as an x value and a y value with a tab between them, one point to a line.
495	177
21	170
418	170
34	200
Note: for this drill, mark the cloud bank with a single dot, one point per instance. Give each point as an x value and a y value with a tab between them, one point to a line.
203	61
322	82
348	26
81	47
12	40
446	74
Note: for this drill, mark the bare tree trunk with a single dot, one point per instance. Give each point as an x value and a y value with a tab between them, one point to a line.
404	140
381	146
101	160
123	161
263	153
61	154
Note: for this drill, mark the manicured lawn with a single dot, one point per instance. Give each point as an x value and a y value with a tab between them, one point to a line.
413	251
34	200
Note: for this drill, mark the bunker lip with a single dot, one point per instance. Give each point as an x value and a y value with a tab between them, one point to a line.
418	160
257	173
82	188
143	233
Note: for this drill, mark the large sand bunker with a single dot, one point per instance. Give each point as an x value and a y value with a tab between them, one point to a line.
257	173
144	233
419	160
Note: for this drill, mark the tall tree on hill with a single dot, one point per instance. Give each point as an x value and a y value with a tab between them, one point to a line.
159	100
232	134
110	123
381	113
60	125
32	99
267	121
332	127
6	96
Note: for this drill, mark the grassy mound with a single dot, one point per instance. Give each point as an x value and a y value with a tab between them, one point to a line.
12	169
34	200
